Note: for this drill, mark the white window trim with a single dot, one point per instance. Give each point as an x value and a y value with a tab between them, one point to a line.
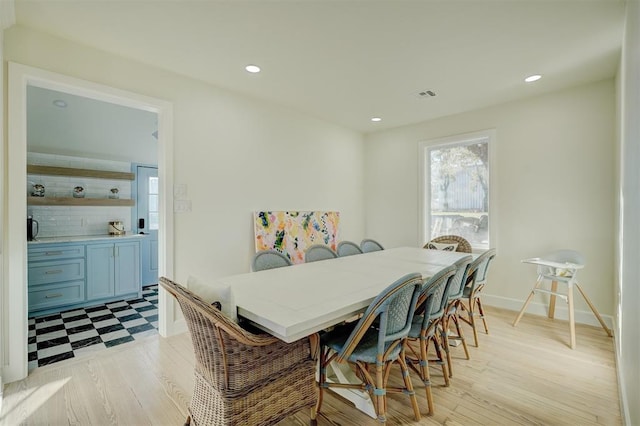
424	186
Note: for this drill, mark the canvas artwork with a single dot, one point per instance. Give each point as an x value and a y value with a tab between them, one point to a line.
291	232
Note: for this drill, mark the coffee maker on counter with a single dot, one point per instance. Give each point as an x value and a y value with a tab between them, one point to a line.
32	228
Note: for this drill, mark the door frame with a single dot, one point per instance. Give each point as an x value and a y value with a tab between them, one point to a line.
14	276
135	195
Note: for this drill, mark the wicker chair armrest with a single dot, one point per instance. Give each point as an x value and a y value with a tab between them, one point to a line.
220	320
247	338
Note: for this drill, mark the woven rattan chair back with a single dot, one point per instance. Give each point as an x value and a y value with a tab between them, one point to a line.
348	248
318	252
477	276
463	244
233	366
459	281
434	296
269	259
367	245
393	308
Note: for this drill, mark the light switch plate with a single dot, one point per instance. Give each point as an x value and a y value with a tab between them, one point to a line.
180	190
181	206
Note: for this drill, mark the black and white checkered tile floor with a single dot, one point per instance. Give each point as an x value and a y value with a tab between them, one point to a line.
68	334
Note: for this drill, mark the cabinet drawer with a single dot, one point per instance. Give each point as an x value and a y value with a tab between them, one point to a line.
55	252
56	295
55	271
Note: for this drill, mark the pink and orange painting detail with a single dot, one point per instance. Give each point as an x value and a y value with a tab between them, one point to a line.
291	232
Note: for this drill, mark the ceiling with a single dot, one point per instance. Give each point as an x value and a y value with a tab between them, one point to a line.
66	124
348	61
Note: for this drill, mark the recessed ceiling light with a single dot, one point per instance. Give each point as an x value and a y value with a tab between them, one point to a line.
60	103
533	78
252	69
376	119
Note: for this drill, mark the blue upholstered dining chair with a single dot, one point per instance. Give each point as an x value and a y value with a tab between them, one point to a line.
477	279
452	309
269	259
379	339
319	252
368	245
348	248
424	328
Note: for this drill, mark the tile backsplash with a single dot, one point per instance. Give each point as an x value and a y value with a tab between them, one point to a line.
57	221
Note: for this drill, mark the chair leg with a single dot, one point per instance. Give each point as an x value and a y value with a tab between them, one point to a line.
322	379
484	318
552	299
572	322
440	359
424	371
460	335
526	303
445	343
187	422
595	311
380	393
472	318
409	386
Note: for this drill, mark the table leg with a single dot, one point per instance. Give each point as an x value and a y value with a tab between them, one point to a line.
342	373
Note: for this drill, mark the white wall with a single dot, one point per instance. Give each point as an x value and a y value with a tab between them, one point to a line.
555	187
628	292
234	153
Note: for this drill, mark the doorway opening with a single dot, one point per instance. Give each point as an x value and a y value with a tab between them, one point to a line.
15	268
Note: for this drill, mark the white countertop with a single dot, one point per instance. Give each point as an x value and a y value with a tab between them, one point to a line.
84	238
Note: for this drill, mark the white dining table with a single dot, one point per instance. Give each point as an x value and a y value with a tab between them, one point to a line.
296	301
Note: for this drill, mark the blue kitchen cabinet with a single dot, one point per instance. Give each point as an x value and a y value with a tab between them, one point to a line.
64	275
113	269
127	268
56	276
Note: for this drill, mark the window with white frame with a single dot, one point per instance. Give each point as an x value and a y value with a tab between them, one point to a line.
455	188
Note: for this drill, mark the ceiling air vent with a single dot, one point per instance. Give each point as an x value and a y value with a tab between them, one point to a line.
427	94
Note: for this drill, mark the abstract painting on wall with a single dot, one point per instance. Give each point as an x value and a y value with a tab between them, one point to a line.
291	232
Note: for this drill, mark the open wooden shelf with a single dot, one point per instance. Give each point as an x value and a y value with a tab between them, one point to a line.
68	171
70	201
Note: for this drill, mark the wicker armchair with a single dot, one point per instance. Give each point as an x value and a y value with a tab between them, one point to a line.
241	377
463	245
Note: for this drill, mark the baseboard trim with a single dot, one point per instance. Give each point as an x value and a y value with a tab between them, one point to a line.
541	309
178	326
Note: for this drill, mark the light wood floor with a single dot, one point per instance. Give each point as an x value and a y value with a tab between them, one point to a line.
518	376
